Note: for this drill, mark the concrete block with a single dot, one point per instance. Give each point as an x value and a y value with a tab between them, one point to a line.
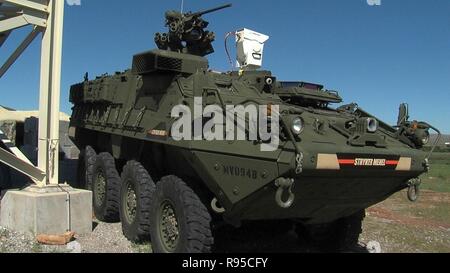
50	210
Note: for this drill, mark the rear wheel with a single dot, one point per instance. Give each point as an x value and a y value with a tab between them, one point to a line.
180	223
106	189
135	199
85	168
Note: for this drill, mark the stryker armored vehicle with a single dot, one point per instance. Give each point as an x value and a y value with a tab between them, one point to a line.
327	166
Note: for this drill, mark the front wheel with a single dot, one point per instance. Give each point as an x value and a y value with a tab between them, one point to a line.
180	223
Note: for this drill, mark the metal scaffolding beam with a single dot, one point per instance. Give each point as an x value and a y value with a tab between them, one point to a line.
51	54
20	49
29	4
46	17
3	37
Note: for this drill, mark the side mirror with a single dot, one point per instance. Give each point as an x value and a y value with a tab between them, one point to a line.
403	115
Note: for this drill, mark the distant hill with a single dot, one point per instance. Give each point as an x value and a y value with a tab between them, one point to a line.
444	139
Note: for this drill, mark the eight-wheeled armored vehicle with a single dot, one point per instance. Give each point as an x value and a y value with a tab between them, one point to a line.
325	168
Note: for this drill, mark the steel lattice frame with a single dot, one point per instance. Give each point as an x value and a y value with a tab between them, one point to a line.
46	18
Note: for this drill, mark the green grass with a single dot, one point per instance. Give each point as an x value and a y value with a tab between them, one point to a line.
439	212
440	158
438	179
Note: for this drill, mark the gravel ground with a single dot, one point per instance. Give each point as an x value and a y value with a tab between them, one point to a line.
106	238
13	242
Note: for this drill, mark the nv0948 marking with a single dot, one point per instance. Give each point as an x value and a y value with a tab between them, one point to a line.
240	172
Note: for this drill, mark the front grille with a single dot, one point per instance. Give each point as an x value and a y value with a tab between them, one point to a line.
361	126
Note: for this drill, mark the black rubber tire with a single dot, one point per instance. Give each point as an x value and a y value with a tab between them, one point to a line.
137	230
85	169
194	220
106	208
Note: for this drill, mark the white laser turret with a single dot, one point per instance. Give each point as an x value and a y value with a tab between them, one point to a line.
250	49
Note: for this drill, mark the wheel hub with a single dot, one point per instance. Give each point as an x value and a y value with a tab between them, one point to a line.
131	203
169	226
100	188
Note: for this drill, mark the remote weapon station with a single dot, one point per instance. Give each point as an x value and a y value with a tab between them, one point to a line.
319	171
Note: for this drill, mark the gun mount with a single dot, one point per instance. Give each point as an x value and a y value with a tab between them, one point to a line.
187	33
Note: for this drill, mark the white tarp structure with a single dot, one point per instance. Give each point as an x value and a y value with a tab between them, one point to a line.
46	19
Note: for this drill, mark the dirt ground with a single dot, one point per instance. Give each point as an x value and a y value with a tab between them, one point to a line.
401	226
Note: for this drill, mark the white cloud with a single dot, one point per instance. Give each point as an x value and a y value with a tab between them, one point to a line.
374	2
74	2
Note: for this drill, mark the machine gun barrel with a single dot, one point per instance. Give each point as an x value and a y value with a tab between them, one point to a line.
201	13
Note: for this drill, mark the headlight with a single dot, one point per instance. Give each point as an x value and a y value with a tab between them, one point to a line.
297	126
421	137
425	138
372	125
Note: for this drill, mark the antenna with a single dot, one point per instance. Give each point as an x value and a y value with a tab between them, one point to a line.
182	6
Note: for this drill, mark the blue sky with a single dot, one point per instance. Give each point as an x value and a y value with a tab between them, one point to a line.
377	56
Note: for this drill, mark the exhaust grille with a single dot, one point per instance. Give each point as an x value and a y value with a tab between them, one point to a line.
161	60
173	64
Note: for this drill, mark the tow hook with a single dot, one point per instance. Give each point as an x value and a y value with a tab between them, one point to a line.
284	184
414	189
216	207
426	164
